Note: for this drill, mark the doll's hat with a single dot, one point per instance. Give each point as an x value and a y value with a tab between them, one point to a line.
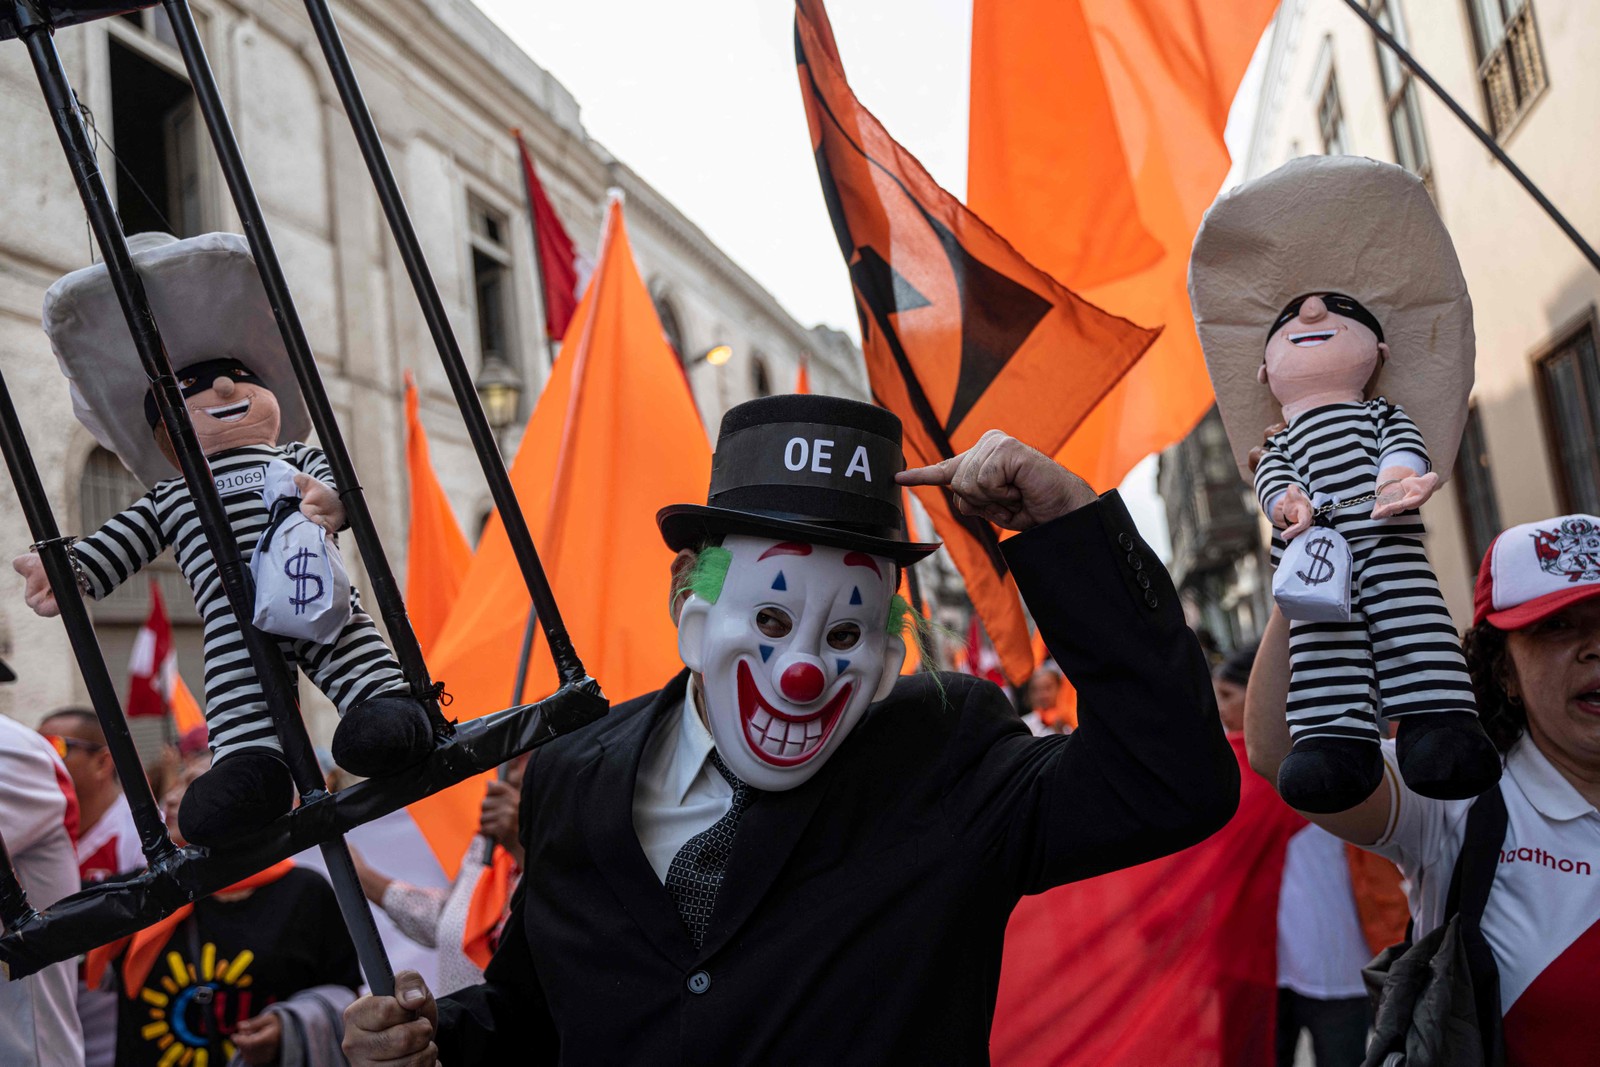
208	302
1335	224
806	467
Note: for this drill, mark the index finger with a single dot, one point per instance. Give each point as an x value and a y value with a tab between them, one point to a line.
941	473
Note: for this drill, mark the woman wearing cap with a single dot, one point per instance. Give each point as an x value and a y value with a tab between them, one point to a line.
1534	655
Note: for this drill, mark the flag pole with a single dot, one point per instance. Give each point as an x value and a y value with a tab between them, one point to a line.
1478	131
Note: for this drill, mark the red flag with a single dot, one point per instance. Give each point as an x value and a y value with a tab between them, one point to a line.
558	259
960	333
153	664
1178	953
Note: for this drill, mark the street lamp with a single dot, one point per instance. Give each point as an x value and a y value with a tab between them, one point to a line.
499	389
716	355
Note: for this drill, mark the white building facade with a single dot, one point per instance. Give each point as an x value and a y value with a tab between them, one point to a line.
1526	70
446	88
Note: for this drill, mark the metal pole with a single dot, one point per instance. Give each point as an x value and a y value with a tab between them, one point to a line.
385	590
1478	131
483	442
52	548
265	655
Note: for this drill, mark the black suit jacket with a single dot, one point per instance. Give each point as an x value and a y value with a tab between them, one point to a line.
862	914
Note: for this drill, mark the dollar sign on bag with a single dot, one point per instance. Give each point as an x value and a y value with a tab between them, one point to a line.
301	576
1321	566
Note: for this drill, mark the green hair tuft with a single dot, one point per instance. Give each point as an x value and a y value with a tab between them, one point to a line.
708	574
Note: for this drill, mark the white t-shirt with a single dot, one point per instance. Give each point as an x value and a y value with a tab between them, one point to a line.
1543	913
38	1015
111	845
1321	948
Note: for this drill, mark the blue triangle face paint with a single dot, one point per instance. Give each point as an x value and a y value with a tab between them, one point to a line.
843	664
855	596
779	584
766	653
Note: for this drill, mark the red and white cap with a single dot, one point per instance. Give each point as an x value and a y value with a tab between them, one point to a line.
1536	569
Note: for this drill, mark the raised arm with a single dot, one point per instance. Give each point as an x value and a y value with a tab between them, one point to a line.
103	560
1148	771
1266	737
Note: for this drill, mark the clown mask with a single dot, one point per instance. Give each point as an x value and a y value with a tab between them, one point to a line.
792	649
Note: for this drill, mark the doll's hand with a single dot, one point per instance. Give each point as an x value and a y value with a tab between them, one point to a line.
37	592
1293	512
1255	454
1403	491
319	503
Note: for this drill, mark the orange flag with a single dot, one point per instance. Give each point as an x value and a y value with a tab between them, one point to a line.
802	381
438	555
961	334
614	438
1096	146
186	713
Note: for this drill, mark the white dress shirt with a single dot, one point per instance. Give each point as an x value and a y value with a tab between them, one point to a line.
679	792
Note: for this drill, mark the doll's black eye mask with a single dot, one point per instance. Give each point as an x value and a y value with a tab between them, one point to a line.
197	378
1337	303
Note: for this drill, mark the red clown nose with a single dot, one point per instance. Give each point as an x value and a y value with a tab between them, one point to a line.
802	682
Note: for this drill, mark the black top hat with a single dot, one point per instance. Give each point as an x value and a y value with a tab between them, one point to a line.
816	468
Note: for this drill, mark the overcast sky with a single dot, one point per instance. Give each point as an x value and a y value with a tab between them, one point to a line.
702	100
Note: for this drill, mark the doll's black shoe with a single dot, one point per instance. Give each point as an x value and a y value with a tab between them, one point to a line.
1446	755
239	795
1328	774
383	734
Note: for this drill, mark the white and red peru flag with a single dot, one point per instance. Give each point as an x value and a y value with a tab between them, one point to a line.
153	665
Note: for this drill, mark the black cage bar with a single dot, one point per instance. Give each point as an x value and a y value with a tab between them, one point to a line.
175	877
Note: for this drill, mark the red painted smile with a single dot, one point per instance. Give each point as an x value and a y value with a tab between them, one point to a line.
777	737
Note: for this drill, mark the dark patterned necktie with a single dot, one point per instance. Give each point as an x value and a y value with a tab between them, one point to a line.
696	871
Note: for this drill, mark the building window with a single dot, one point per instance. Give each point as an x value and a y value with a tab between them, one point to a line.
160	143
1480	508
670	327
1510	61
760	376
1400	94
1330	118
489	242
1569	381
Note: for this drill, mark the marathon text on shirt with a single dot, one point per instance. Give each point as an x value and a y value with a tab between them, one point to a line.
252	478
1544	859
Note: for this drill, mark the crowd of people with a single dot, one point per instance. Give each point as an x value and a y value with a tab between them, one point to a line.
602	947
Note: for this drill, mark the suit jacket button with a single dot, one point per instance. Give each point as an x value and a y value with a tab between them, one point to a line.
1150	597
699	982
1125	541
1143	580
1136	561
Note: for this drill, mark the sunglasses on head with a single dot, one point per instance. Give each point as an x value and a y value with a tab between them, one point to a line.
63	745
1337	303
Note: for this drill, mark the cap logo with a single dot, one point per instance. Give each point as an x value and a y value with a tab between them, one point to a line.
1571	551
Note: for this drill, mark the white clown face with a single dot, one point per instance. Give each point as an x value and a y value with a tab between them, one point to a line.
792	653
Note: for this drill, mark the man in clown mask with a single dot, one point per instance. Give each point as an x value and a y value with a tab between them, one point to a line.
790	854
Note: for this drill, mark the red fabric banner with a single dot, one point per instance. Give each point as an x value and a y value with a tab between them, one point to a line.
558	259
1176	954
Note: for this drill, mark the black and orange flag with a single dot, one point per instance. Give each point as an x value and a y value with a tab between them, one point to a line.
960	333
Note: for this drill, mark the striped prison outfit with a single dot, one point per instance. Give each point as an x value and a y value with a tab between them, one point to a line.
1399	652
357	666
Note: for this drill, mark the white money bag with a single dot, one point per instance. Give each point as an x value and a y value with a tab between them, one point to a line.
1312	583
302	588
